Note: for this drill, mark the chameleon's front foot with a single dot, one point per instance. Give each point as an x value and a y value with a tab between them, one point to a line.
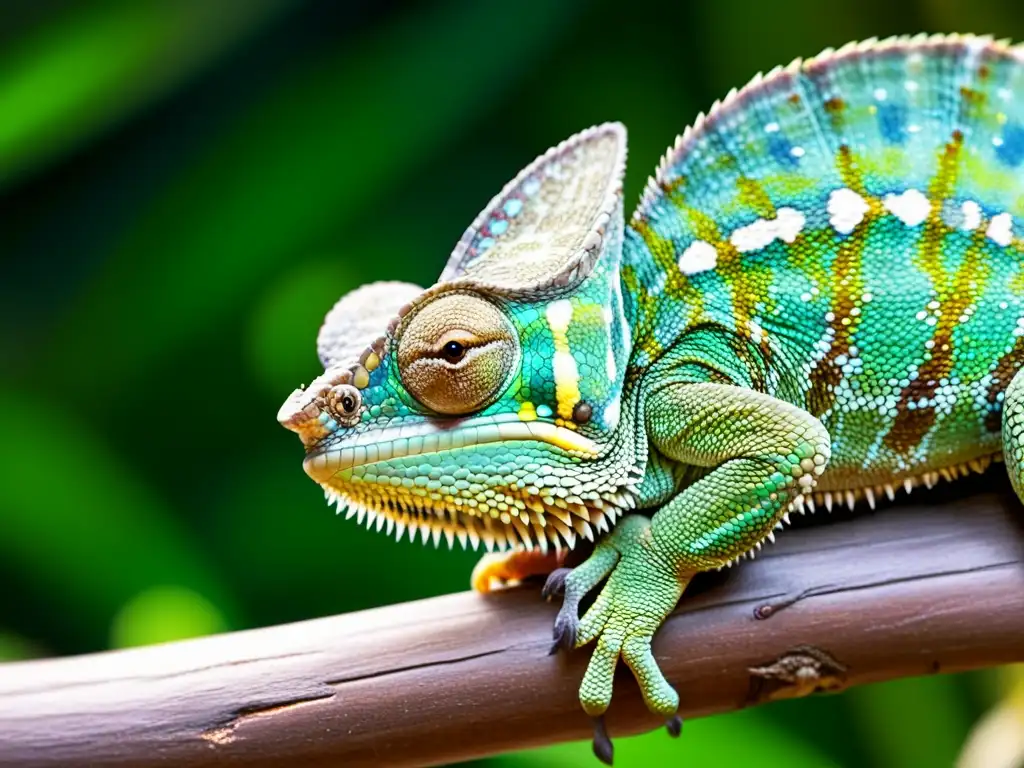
641	591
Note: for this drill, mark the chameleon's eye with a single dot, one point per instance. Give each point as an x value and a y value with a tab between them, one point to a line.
344	401
456	352
453	352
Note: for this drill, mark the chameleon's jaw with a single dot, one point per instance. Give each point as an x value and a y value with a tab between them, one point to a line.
384	445
500	482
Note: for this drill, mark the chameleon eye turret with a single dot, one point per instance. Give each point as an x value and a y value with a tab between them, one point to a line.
456	352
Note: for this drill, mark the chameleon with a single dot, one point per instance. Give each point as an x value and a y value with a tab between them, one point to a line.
819	299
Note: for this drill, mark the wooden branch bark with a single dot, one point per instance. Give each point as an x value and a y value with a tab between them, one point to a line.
910	590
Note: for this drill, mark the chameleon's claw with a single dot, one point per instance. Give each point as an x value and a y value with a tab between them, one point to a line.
555	585
603	748
674	726
567	624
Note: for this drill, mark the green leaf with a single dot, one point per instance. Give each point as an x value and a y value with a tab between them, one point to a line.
81	72
330	138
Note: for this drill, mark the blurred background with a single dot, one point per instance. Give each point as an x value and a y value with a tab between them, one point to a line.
186	186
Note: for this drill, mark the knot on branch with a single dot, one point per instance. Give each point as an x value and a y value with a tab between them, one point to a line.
799	672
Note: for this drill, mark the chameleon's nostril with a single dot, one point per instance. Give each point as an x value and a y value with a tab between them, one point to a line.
329	402
302	414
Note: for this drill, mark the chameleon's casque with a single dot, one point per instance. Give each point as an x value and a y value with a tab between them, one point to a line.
819	297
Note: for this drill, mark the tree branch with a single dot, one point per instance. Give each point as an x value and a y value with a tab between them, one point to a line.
908	591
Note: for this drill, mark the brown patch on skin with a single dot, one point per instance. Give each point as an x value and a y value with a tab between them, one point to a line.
670	187
971	95
849	287
834	105
954	294
834	108
958	293
972	101
1006	367
984	72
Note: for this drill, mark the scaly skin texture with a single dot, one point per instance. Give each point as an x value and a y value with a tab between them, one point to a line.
819	297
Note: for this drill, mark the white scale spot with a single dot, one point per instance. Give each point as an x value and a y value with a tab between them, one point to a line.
610	365
997	141
699	256
786	225
846	210
1000	229
771	128
880	94
612	413
797	151
756	331
911	207
559	315
972	215
911	85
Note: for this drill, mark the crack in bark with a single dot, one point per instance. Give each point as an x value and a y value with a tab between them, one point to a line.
225	734
767	610
413	667
154	677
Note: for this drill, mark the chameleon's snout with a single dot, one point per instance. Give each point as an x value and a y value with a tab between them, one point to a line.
330	402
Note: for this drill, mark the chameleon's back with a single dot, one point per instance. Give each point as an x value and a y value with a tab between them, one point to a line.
852	220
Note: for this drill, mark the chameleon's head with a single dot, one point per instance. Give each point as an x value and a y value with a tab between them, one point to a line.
487	408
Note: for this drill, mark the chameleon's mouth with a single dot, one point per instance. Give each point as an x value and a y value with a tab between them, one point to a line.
413	440
493	480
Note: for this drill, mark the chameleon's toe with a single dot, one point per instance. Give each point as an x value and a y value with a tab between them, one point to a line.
575	585
639	594
497	570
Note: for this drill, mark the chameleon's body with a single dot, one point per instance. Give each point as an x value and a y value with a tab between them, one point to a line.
820	295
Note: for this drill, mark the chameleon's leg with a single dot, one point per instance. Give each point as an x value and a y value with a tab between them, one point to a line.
497	570
1013	432
765	453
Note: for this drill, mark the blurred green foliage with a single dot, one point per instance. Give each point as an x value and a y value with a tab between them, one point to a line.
187	186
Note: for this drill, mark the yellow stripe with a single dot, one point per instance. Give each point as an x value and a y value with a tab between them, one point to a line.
567	375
